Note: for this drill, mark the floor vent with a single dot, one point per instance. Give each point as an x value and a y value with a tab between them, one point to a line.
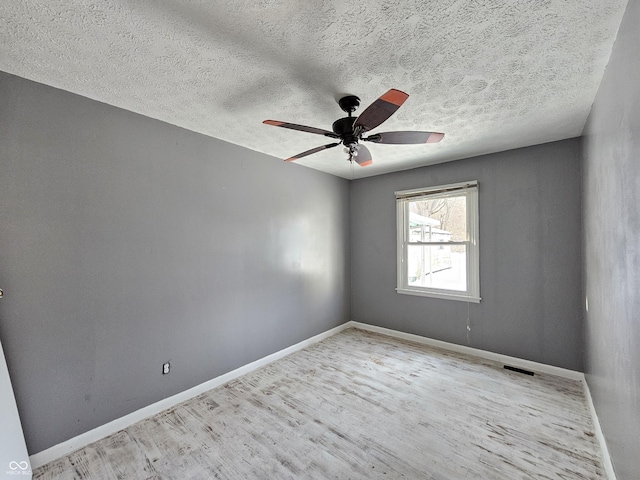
519	370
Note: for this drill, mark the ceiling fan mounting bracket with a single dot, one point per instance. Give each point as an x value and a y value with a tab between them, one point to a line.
349	103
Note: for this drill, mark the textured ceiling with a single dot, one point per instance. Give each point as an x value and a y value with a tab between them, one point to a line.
492	75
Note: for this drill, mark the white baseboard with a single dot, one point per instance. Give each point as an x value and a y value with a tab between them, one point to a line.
606	458
496	357
41	458
80	441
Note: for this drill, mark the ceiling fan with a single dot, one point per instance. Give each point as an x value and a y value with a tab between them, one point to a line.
350	130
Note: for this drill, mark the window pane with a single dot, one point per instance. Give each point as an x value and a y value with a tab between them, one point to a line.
437	266
440	219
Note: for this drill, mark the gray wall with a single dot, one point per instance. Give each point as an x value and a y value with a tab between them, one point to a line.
611	219
126	242
529	202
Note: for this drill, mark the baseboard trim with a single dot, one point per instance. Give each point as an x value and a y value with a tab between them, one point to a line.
53	453
41	458
606	458
475	352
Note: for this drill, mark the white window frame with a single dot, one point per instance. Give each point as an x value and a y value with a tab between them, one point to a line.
470	190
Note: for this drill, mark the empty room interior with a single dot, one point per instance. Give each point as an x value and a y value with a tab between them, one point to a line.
446	286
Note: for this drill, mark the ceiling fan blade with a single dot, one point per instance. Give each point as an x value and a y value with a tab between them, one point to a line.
405	138
380	110
311	152
364	156
301	128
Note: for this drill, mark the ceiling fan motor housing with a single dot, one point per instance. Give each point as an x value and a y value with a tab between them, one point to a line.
343	127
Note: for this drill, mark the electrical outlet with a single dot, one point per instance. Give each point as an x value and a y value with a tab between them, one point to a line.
165	368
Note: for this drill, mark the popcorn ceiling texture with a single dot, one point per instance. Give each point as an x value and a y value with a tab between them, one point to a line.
491	75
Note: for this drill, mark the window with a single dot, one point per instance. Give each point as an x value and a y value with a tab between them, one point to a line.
438	242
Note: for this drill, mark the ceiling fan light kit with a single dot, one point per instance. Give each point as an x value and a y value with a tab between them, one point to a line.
350	130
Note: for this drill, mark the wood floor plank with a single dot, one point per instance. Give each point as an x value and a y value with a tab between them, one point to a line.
359	405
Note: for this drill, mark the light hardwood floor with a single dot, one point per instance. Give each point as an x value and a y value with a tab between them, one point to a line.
359	405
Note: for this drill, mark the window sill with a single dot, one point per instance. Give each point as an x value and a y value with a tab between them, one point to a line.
446	296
